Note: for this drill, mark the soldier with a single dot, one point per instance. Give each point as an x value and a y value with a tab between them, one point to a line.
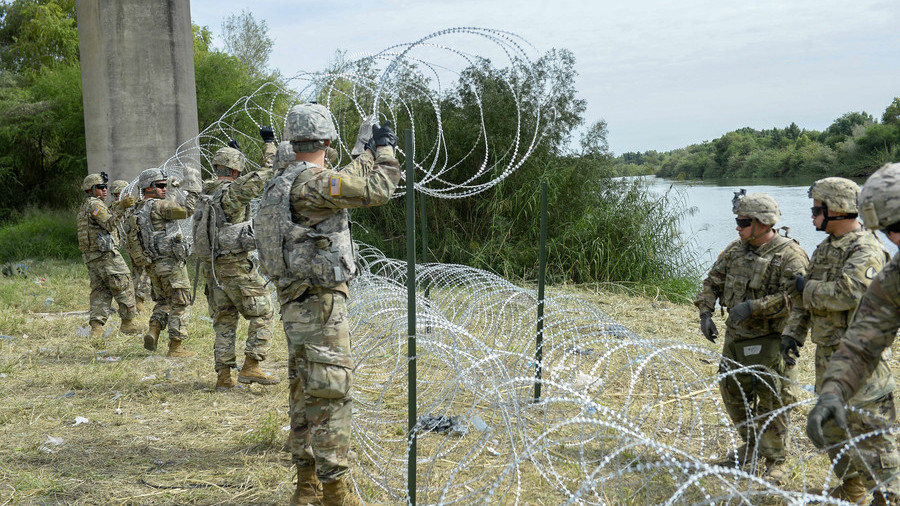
858	372
303	234
841	269
223	239
155	241
98	240
138	273
749	279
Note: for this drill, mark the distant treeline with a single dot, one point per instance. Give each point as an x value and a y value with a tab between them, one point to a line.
855	145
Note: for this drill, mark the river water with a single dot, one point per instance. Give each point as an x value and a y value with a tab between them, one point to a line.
710	224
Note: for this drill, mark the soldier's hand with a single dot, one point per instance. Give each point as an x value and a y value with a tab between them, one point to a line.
741	312
790	350
384	135
829	406
800	284
708	327
127	202
233	144
267	134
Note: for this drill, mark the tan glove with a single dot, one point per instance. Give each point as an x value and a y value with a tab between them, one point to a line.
126	202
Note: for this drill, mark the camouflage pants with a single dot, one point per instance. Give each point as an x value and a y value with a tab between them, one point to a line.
750	397
110	279
876	458
241	292
320	370
171	293
141	280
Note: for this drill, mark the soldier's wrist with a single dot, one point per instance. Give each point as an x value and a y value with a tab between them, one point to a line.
832	388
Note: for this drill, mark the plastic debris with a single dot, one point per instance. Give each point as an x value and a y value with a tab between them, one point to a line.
67	395
206	319
149	378
48	301
24	336
2	374
286	428
107	359
118	411
443	425
50	443
82	331
479	424
80	420
9	338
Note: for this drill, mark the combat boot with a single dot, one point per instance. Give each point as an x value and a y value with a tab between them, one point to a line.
880	498
336	493
309	490
152	335
96	337
251	373
177	351
130	327
776	472
225	381
851	490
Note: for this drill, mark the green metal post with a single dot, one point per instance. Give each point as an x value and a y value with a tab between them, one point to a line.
542	268
411	309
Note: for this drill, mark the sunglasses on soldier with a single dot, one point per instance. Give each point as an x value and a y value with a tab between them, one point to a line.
159	185
743	222
817	210
100	186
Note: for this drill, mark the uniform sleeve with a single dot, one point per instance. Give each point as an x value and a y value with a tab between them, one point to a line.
843	293
362	183
101	215
712	285
269	155
873	329
245	188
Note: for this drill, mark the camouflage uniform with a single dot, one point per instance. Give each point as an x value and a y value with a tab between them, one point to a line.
314	312
168	274
139	276
98	239
858	370
241	290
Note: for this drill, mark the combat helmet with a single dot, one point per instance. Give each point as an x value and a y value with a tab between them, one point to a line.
879	199
307	126
92	180
117	186
230	158
148	176
756	205
839	194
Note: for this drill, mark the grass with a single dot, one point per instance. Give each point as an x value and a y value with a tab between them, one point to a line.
40	234
158	433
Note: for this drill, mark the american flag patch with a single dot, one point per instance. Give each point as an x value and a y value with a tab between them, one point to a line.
96	211
335	187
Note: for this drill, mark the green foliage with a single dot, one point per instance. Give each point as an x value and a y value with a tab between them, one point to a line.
602	229
854	145
37	33
39	235
248	40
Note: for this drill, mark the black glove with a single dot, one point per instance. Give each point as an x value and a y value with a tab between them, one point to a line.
829	406
789	347
741	312
233	144
382	136
800	283
708	327
267	134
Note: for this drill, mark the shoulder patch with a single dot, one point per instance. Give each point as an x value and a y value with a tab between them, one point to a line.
95	212
335	187
870	273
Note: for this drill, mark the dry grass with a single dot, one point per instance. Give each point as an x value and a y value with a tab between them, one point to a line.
159	434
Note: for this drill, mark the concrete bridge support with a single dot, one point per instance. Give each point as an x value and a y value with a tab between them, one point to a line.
137	73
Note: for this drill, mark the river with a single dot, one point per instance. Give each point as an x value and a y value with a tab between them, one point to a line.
710	225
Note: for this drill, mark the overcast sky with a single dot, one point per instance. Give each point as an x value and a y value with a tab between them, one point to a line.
663	74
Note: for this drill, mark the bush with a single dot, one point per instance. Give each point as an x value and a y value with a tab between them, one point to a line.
40	234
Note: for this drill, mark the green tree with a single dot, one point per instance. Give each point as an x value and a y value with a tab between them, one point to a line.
37	33
247	39
891	114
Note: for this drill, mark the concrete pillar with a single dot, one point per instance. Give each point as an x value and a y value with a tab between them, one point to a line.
137	73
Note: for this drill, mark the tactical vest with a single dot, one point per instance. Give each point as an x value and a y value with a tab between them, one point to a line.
321	255
214	236
147	245
92	238
827	326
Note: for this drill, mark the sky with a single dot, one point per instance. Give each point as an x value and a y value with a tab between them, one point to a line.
662	74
